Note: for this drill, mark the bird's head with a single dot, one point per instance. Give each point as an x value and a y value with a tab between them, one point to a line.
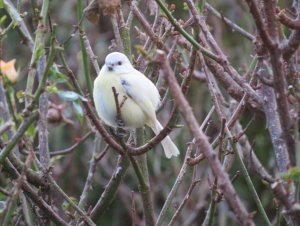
117	63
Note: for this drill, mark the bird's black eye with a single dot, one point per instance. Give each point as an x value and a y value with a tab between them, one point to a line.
120	63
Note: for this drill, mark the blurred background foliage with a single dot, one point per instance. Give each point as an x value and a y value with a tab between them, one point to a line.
71	170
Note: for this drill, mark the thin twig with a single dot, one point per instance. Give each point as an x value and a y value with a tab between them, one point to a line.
37	199
133	210
89	180
141	170
172	193
203	144
71	202
90	52
147	27
85	61
18	135
228	22
38	56
116	30
215	94
5	127
186	198
110	190
44	155
73	147
200	157
15	16
263	31
205	51
287	21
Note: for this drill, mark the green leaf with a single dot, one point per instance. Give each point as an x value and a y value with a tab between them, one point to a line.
201	5
185	6
71	96
5	136
31	131
1	4
56	76
20	96
295	174
38	54
284	175
52	88
78	108
66	205
2	19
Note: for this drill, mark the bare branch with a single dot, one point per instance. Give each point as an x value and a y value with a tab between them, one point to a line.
202	143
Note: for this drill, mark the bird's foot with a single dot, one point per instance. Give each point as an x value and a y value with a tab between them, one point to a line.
120	123
121	132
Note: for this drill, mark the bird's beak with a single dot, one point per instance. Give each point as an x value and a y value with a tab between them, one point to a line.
110	67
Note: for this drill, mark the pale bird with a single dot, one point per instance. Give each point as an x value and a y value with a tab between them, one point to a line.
141	98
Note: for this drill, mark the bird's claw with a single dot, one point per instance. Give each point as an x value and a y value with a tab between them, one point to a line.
120	123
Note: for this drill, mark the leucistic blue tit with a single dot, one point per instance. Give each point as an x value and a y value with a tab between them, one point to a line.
141	98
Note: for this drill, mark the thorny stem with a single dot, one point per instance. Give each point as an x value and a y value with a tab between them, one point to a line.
38	50
217	103
85	62
88	183
17	19
205	51
46	71
32	194
172	193
184	87
228	22
141	170
14	140
71	202
11	202
90	52
215	195
73	147
250	184
186	198
203	144
109	193
116	30
147	28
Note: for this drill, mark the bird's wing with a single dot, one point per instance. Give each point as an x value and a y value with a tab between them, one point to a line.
142	91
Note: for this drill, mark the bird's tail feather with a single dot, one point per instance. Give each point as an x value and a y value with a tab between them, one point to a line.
169	147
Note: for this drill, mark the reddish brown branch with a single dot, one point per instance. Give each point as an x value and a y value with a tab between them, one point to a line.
291	208
196	160
273	122
282	104
34	196
280	85
119	119
203	144
289	48
223	59
230	23
256	13
269	9
287	21
146	26
73	147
